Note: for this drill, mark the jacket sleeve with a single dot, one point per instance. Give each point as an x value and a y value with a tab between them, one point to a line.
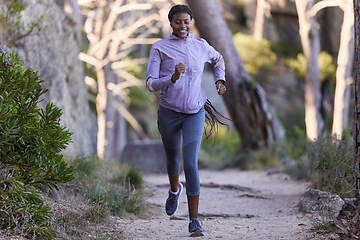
153	80
217	60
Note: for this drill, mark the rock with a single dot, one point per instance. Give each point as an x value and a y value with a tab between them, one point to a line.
316	201
347	223
148	156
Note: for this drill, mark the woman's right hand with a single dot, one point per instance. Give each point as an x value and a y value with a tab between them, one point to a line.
179	69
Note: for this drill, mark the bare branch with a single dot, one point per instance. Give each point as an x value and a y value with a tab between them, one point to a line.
126	63
129	77
134	6
131	120
324	4
88	59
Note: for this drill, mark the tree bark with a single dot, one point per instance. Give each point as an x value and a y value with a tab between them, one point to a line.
344	70
310	41
357	93
244	99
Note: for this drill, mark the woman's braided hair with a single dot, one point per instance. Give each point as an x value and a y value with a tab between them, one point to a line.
179	9
212	119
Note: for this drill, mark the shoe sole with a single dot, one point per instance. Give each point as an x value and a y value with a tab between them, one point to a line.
197	233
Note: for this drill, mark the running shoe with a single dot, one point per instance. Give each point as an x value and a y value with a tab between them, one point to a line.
195	229
172	202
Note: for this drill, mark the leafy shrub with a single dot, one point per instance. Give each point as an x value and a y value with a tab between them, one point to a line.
257	54
333	165
31	140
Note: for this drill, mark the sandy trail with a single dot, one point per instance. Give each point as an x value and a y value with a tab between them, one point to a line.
269	199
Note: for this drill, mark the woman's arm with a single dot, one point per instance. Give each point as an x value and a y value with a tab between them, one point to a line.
153	80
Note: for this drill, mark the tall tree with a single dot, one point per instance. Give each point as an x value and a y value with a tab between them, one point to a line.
245	101
344	70
310	41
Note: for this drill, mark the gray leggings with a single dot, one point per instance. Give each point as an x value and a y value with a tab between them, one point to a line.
174	128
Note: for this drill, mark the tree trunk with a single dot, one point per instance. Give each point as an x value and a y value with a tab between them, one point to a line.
344	70
260	19
310	41
115	127
357	92
245	101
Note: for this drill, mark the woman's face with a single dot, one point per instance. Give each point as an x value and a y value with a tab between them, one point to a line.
181	24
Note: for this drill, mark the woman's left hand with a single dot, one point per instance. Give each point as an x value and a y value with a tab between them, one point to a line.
221	88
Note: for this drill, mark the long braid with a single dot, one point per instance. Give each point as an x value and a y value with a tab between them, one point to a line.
212	120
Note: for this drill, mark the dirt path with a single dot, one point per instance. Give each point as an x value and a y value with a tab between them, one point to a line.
233	205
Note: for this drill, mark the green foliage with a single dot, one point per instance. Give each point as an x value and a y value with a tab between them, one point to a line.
256	54
220	149
295	146
112	188
12	25
325	61
139	98
297	65
31	140
295	142
327	67
333	165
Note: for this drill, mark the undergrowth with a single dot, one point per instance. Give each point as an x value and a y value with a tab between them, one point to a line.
101	189
333	165
117	187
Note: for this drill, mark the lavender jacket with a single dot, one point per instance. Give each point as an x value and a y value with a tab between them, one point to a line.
186	94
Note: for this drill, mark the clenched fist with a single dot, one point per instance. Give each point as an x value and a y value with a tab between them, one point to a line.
179	69
221	88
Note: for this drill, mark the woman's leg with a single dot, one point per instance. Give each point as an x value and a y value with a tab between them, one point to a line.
193	206
174	183
170	124
193	128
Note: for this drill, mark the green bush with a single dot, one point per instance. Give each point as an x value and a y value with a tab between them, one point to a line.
257	54
31	140
333	165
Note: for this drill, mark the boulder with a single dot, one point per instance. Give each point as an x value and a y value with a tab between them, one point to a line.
316	201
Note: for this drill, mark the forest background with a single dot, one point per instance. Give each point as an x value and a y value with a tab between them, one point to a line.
289	75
